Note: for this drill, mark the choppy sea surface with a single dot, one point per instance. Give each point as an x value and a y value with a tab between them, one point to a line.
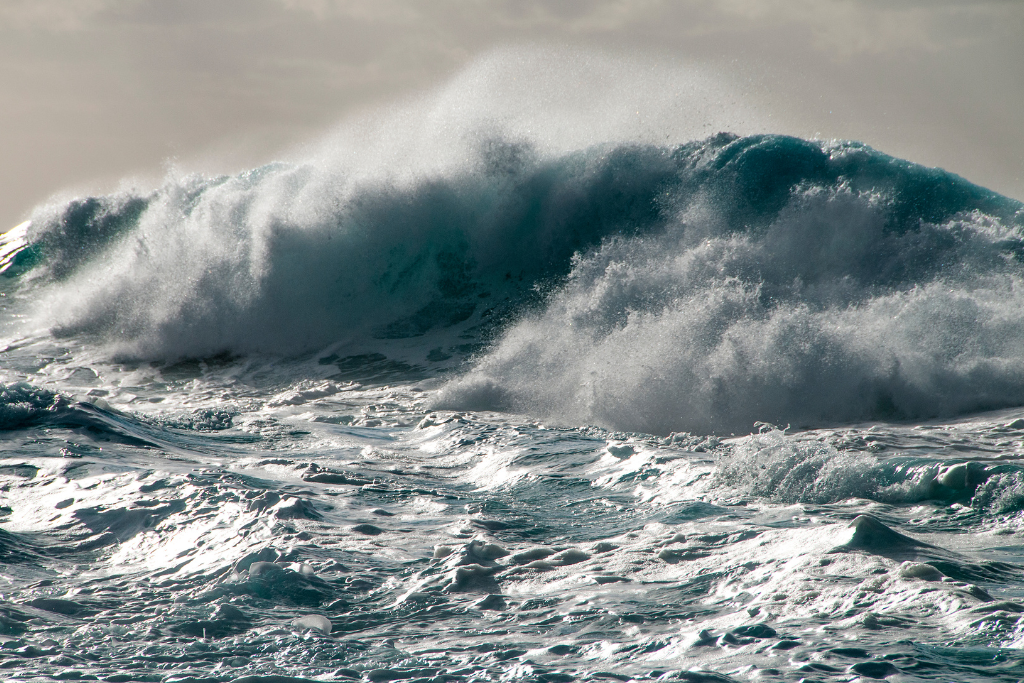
735	409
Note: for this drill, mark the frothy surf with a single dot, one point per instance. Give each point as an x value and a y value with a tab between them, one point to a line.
465	412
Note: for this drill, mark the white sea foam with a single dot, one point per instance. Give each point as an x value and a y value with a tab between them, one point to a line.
811	321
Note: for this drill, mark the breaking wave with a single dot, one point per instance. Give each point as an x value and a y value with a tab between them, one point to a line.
700	287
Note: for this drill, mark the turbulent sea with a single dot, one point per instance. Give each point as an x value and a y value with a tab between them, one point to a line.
735	409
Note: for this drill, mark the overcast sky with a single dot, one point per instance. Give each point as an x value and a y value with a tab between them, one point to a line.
97	90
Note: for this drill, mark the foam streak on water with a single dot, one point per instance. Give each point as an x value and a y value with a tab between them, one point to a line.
733	409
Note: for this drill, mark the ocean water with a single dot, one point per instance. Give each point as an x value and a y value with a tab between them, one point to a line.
731	408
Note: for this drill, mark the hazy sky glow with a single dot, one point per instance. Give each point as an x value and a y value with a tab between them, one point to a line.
96	90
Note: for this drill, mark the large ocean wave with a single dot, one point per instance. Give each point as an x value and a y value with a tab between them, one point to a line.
699	287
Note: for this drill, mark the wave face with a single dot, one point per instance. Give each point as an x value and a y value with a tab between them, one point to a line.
699	287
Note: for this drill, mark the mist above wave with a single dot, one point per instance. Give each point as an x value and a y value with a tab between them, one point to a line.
417	217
